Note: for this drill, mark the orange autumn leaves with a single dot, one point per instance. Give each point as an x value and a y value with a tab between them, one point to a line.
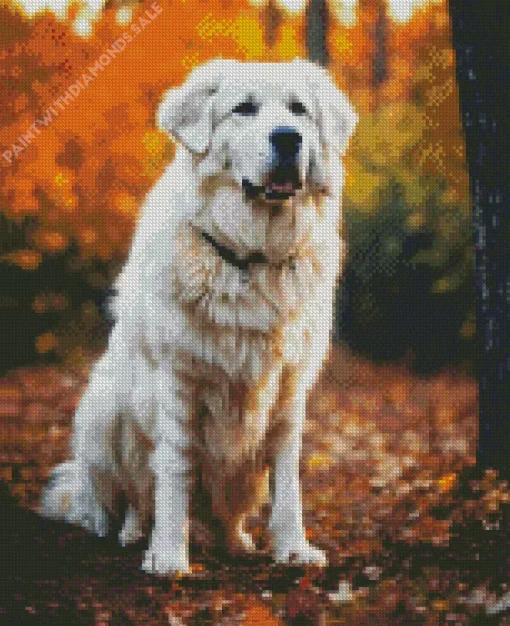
84	175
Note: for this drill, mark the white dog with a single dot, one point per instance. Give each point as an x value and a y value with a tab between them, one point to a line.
223	317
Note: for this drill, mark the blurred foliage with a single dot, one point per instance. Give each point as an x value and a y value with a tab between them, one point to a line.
407	290
69	202
409	282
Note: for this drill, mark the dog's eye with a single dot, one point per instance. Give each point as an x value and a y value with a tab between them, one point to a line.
298	108
246	108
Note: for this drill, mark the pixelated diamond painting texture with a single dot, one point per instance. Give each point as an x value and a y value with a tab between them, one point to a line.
392	422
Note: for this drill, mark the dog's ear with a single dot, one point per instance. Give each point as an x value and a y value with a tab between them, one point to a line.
338	119
185	112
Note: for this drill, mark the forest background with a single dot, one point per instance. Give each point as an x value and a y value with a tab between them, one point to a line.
70	197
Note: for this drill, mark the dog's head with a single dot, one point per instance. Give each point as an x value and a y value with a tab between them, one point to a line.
272	128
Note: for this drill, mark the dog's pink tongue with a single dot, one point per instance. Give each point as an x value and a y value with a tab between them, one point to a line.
285	187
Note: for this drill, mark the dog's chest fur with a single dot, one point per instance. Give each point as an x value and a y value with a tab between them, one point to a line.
246	318
243	329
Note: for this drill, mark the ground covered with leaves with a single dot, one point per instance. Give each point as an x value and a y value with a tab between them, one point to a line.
414	536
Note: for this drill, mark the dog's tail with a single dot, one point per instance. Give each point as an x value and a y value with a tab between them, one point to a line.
70	495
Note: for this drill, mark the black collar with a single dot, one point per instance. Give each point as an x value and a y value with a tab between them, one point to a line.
231	257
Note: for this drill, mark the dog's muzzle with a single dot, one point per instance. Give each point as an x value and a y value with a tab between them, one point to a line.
283	179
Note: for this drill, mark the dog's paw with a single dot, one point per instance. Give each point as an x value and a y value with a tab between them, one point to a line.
300	553
82	509
132	529
241	543
165	562
94	519
70	495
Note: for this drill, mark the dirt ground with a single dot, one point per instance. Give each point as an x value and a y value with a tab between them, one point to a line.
389	492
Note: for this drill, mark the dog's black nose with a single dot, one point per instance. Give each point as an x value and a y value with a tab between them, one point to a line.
286	142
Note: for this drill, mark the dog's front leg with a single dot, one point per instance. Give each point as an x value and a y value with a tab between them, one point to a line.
286	523
169	546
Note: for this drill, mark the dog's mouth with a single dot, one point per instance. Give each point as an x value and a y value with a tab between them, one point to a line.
281	185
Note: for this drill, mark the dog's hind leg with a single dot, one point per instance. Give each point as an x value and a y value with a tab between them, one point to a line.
132	529
70	495
235	497
83	489
137	481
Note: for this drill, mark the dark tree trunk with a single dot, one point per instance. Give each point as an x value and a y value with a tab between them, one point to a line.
317	20
480	34
379	63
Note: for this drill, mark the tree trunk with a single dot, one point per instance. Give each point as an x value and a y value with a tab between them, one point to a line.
379	62
480	33
317	20
272	20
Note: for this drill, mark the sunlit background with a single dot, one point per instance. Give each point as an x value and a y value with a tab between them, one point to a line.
91	10
69	201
